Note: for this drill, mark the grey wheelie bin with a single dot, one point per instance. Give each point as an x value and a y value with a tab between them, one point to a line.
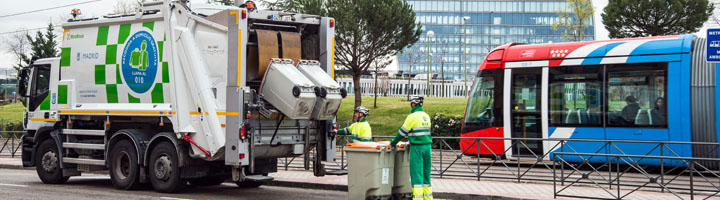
370	170
402	187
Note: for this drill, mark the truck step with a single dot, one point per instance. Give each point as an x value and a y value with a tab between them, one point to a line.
70	145
84	161
259	178
83	132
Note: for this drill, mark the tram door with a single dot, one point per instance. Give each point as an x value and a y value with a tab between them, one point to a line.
525	111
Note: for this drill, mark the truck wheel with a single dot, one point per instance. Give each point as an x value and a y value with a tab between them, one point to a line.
164	170
207	181
47	163
124	169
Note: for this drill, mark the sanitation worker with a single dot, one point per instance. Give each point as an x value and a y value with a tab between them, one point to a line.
417	129
360	130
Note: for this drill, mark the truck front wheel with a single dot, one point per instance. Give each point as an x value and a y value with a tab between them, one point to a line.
124	170
164	169
47	163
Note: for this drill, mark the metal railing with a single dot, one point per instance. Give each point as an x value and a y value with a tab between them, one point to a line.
614	165
11	142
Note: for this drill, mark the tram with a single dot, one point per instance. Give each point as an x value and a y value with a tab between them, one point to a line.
650	89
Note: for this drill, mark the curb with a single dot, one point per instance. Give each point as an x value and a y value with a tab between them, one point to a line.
333	187
6	166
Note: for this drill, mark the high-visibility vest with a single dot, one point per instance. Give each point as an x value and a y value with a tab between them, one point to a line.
358	131
416	128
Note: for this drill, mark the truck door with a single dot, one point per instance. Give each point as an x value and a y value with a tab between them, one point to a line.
39	88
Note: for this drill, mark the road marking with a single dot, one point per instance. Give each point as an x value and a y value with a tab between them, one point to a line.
173	198
13	185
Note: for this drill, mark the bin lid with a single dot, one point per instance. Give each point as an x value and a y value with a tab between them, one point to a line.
366	145
399	144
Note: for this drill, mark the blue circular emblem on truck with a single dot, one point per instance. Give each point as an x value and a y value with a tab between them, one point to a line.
139	62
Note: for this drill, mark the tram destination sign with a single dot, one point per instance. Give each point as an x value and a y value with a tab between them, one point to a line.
713	45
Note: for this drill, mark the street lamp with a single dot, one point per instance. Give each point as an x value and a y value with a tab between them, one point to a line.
465	19
429	35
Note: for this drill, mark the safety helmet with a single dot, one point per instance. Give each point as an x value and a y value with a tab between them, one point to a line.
363	110
418	100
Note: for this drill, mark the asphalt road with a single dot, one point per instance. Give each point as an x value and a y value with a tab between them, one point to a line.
24	184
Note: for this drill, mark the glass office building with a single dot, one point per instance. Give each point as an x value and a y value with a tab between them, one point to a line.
490	24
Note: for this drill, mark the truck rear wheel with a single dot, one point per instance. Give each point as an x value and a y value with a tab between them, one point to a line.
124	169
47	163
164	169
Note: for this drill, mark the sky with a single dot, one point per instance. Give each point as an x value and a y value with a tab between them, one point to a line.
40	19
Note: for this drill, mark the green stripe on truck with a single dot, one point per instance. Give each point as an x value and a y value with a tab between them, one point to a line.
110	54
124	33
62	94
149	25
111	91
102	35
132	99
100	74
157	93
65	57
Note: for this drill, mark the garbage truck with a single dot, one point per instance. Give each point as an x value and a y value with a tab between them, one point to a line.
178	93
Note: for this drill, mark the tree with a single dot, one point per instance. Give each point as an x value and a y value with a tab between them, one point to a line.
627	18
574	21
316	7
377	67
124	7
414	57
222	2
44	45
367	31
18	45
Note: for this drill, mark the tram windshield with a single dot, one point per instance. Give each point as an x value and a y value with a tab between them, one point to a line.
482	109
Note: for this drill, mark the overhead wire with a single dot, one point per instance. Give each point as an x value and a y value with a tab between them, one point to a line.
44	9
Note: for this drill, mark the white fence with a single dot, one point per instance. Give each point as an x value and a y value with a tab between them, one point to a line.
400	87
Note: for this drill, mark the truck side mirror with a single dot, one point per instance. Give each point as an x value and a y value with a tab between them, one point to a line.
22	82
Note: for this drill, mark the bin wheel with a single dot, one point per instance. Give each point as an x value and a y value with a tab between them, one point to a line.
47	163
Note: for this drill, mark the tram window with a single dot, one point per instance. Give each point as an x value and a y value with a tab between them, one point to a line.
575	96
636	97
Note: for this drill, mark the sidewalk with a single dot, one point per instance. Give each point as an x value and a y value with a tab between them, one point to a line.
442	187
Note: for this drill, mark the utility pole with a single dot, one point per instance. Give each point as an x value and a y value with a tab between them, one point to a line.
442	73
465	19
430	34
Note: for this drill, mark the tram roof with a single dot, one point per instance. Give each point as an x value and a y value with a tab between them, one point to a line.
624	50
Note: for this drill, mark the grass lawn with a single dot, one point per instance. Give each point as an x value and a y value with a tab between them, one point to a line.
12	112
387	118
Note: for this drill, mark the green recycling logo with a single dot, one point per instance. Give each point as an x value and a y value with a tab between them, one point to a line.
140	62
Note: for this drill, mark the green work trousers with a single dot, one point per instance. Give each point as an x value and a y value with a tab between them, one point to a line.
420	166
